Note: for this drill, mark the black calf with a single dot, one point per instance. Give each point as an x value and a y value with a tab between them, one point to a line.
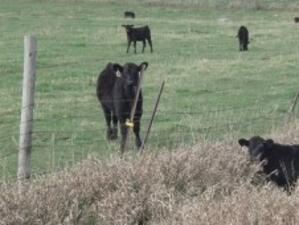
243	36
138	34
129	14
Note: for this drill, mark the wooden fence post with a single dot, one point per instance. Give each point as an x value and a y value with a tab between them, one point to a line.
24	159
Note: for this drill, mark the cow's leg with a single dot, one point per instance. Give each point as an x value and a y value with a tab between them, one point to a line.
124	134
245	47
107	114
150	43
135	46
114	129
241	46
144	45
129	44
136	130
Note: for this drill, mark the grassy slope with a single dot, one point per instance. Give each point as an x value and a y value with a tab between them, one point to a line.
212	90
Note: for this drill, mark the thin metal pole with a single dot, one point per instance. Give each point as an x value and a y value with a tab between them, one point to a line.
292	108
153	116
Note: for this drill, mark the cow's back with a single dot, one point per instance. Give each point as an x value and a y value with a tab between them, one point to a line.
141	33
285	159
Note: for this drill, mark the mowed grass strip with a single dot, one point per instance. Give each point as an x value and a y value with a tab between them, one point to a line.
212	90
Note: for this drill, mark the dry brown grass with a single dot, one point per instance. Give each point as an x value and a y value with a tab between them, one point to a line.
210	183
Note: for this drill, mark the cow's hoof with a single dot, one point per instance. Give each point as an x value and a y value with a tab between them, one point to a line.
113	135
138	144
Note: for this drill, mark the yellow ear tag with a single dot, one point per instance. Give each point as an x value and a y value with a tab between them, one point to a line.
129	124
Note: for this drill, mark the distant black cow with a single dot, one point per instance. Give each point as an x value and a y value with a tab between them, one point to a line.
243	36
138	34
280	162
129	14
296	19
116	90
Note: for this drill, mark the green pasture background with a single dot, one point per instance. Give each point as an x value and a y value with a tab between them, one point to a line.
212	90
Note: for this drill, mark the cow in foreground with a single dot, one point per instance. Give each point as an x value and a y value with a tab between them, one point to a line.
243	36
116	91
280	162
138	34
129	14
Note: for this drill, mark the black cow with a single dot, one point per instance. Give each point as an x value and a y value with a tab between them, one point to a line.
129	14
116	90
280	162
138	34
243	36
296	19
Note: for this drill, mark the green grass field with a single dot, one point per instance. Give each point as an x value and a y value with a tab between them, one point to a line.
212	90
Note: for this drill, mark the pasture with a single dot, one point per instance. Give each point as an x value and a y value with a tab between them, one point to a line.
212	90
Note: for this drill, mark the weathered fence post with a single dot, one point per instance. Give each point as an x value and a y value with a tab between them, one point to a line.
24	159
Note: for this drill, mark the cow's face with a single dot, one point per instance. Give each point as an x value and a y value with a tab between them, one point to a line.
117	69
257	146
128	27
130	74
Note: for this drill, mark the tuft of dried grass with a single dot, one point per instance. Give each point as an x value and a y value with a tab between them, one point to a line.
209	183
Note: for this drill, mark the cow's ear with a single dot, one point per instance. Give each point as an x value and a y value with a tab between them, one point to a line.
143	66
243	142
268	143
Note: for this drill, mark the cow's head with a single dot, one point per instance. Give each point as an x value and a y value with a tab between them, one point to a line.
116	68
257	146
130	74
128	27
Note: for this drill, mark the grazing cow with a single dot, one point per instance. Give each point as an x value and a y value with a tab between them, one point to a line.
138	34
296	19
243	36
116	91
280	162
129	14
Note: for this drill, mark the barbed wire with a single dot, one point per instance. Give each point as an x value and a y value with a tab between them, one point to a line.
250	120
46	117
8	155
156	139
180	136
60	137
